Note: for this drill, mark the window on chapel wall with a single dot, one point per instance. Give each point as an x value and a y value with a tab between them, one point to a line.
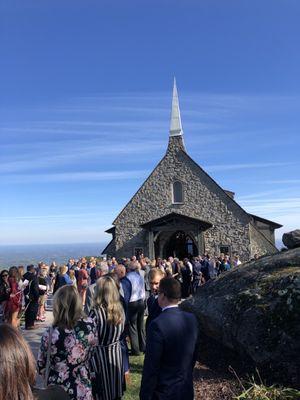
225	249
177	192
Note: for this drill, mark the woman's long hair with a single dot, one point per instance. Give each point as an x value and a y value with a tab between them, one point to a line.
17	365
67	307
4	271
13	272
106	295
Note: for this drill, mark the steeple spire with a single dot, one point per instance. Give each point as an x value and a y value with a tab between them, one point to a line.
176	142
175	127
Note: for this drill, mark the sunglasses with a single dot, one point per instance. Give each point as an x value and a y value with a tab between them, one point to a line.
4	275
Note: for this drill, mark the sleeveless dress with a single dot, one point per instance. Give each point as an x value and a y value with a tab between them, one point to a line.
107	360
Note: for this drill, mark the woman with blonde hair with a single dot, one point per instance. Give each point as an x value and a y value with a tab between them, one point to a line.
42	279
18	369
73	277
72	339
62	278
107	361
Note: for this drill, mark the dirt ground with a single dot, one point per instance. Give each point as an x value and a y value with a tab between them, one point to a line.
213	385
213	376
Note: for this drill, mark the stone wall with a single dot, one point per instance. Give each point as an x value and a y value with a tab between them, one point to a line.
203	199
259	244
265	229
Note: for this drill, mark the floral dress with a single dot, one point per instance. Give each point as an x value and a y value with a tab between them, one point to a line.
71	350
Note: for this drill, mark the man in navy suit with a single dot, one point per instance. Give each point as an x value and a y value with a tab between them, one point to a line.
170	349
155	276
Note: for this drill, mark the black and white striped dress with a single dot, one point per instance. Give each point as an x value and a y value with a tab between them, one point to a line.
107	362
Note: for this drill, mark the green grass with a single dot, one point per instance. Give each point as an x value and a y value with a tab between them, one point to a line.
262	392
136	368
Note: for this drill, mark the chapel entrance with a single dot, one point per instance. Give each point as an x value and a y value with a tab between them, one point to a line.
180	245
175	235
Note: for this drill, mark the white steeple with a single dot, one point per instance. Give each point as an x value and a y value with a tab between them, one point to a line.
175	127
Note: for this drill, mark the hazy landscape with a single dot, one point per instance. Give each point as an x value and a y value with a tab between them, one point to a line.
60	253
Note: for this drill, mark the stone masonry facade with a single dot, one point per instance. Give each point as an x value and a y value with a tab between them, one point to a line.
203	199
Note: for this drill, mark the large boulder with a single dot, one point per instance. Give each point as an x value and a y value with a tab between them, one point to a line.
254	309
291	239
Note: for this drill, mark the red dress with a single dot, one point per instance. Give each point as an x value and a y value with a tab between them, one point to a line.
83	277
14	303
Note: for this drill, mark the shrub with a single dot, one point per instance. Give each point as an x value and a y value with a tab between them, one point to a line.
262	392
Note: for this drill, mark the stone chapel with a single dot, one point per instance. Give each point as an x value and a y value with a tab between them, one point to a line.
181	211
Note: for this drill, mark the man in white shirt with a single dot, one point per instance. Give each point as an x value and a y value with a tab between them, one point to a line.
136	309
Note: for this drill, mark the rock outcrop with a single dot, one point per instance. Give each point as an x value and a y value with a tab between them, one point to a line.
254	309
291	239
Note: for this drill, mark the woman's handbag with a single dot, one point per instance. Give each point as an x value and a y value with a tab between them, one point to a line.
47	369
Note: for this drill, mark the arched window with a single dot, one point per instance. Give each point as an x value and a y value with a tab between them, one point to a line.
177	192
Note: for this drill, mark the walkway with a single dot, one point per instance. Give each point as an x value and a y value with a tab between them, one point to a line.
34	337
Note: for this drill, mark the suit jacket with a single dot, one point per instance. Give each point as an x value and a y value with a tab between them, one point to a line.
170	357
125	292
89	298
31	291
153	310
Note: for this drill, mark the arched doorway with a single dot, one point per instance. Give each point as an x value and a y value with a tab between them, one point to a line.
180	245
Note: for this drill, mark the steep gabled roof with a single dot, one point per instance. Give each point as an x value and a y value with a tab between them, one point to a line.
107	246
231	199
273	224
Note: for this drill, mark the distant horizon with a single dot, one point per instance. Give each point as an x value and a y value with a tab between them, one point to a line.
51	244
34	253
278	242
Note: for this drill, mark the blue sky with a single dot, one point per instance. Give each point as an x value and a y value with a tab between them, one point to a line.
85	107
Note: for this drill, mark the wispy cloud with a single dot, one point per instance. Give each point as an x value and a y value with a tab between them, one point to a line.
56	155
281	182
75	176
229	167
44	218
258	195
275	208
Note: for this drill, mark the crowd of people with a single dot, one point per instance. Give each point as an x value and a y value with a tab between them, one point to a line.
99	307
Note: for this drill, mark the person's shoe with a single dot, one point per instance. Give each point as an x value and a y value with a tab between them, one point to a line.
127	378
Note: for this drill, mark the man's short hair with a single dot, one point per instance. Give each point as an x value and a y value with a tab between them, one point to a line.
155	272
30	268
134	266
171	288
103	267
